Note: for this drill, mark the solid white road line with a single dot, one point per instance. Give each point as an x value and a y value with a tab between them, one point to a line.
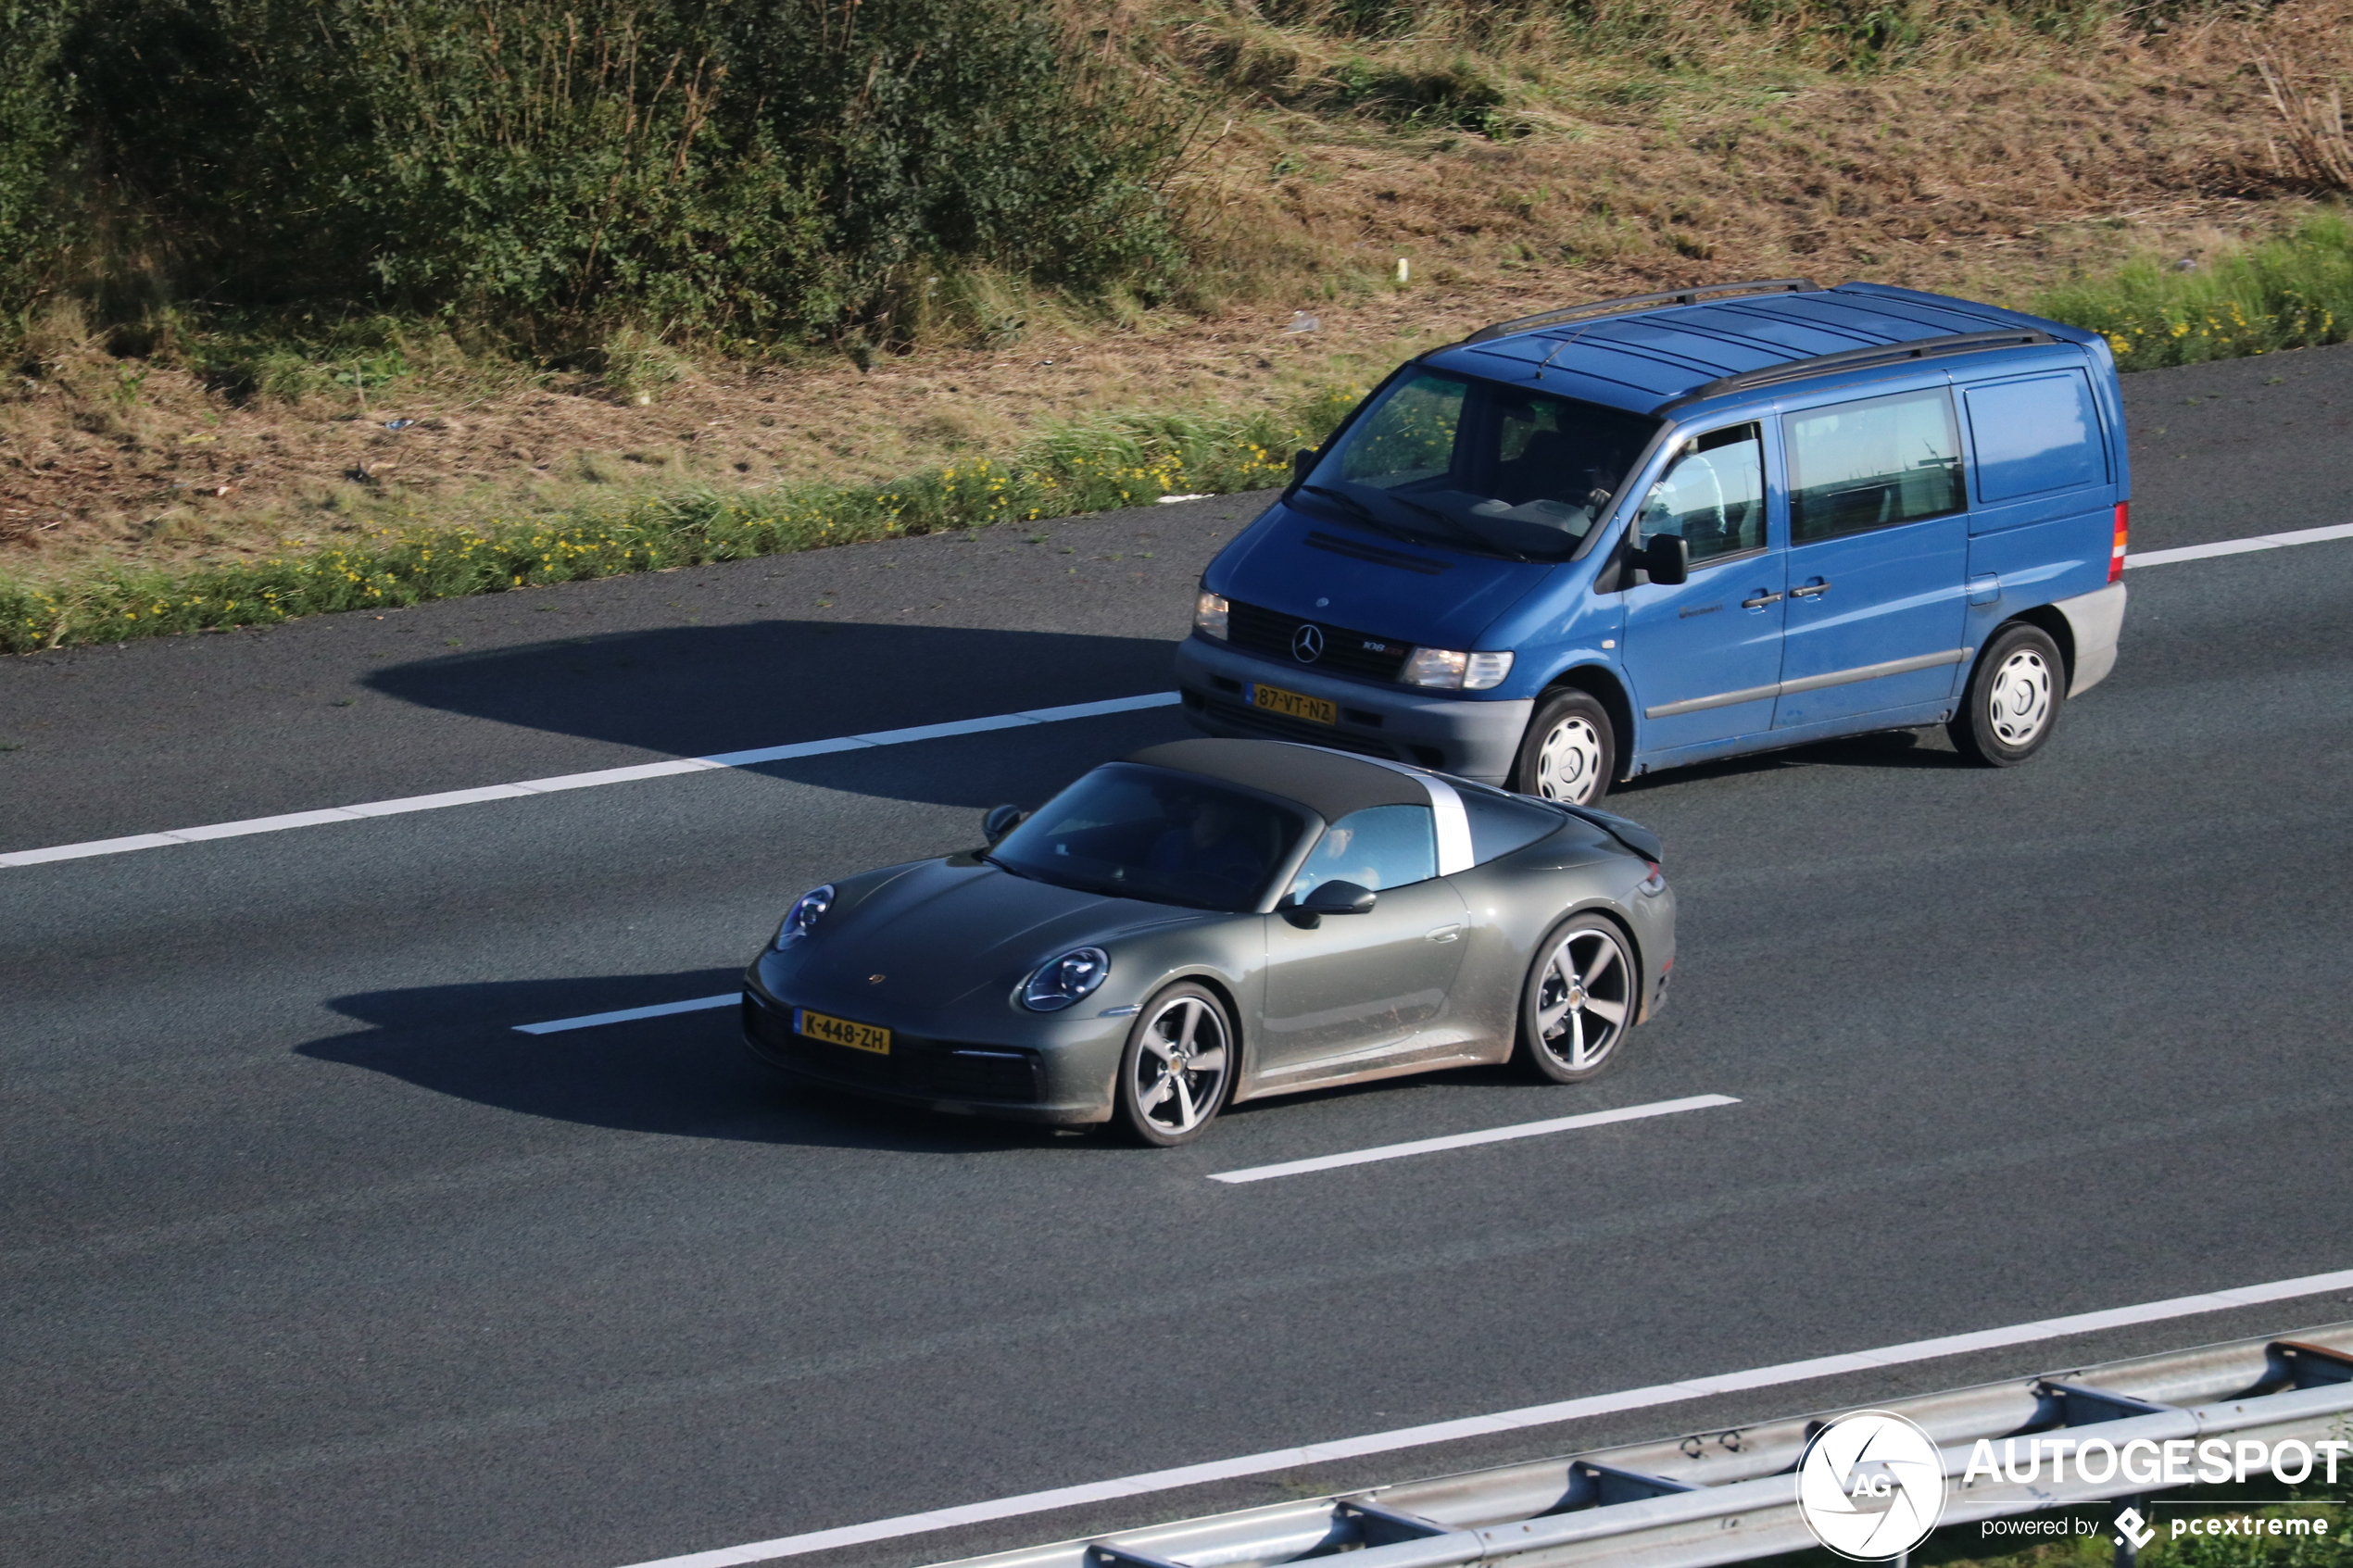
1466	1140
587	780
2241	546
1507	1421
630	1015
845	743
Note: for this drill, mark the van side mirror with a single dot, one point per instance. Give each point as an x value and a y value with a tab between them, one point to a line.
1302	463
1666	557
1000	820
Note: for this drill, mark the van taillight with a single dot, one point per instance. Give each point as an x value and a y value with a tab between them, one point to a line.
2116	552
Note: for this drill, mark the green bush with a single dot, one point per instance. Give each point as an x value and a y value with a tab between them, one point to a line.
737	168
2294	291
36	229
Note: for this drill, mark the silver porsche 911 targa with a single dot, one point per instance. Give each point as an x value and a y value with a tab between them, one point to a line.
1214	921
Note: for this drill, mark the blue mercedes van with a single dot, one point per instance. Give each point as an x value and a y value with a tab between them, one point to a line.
1583	545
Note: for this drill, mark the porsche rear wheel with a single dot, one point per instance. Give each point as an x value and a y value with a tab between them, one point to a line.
1177	1068
1582	997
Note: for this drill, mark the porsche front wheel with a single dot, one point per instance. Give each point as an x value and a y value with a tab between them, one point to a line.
1177	1068
1580	998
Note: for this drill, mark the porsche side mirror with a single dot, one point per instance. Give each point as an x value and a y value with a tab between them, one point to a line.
1339	899
1000	820
1301	465
1666	557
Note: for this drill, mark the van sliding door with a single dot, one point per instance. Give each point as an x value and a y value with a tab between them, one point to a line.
1879	543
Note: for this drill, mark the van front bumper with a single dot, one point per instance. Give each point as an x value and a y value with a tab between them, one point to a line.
1475	737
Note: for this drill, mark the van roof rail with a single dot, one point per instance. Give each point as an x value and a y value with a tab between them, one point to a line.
1636	301
1860	359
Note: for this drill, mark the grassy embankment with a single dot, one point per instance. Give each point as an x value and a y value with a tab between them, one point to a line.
609	232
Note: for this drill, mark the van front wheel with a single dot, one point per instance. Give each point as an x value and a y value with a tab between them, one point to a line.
2014	697
1570	751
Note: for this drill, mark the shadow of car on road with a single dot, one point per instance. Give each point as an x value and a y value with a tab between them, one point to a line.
697	691
685	1076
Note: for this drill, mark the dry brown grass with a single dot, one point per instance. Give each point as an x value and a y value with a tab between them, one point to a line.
1991	164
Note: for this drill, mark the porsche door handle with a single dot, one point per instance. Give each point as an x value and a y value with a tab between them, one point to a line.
1810	591
1760	601
1442	934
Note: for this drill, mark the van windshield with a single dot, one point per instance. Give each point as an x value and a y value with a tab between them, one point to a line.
1445	459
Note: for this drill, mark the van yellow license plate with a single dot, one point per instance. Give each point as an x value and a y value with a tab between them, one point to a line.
871	1037
1292	705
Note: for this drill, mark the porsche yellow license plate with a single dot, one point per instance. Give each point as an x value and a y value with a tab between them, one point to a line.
842	1032
1291	705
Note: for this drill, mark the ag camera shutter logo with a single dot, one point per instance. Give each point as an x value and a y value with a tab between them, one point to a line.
1871	1486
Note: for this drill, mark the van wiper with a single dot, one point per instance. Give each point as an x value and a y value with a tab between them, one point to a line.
1366	515
1362	512
1462	529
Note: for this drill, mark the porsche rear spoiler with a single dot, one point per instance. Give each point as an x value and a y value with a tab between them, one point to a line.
1632	834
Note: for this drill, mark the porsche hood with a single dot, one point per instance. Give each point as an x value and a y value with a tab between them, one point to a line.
940	931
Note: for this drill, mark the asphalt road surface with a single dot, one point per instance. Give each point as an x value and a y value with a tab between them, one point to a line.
309	1258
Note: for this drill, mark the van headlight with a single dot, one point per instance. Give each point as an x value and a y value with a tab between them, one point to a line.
1210	615
807	911
1060	982
1455	670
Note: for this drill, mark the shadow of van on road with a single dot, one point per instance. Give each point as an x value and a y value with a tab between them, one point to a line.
687	1076
695	691
1890	749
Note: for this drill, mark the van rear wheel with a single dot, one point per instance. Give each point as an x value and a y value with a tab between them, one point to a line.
1569	753
2014	697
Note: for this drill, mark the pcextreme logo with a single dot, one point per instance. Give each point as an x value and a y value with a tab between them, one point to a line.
1871	1486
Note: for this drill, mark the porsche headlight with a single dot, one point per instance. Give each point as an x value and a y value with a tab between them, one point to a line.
807	911
1062	981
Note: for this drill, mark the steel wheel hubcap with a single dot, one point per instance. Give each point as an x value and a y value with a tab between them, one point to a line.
1181	1071
1583	1000
2018	703
1569	761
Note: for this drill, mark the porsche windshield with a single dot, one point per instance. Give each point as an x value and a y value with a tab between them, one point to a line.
1449	459
1146	833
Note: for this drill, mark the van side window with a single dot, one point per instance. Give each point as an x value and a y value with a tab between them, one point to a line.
2034	436
1378	847
1712	495
1855	467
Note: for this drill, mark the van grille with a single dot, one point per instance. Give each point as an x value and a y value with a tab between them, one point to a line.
1365	654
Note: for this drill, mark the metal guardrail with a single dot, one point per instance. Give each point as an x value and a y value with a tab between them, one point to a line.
1730	1496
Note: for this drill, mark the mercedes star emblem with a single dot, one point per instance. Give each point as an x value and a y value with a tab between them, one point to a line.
1307	644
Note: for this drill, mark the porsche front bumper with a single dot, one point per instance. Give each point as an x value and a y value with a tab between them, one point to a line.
1061	1076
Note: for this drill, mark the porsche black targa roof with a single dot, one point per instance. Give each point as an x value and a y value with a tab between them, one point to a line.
1327	783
